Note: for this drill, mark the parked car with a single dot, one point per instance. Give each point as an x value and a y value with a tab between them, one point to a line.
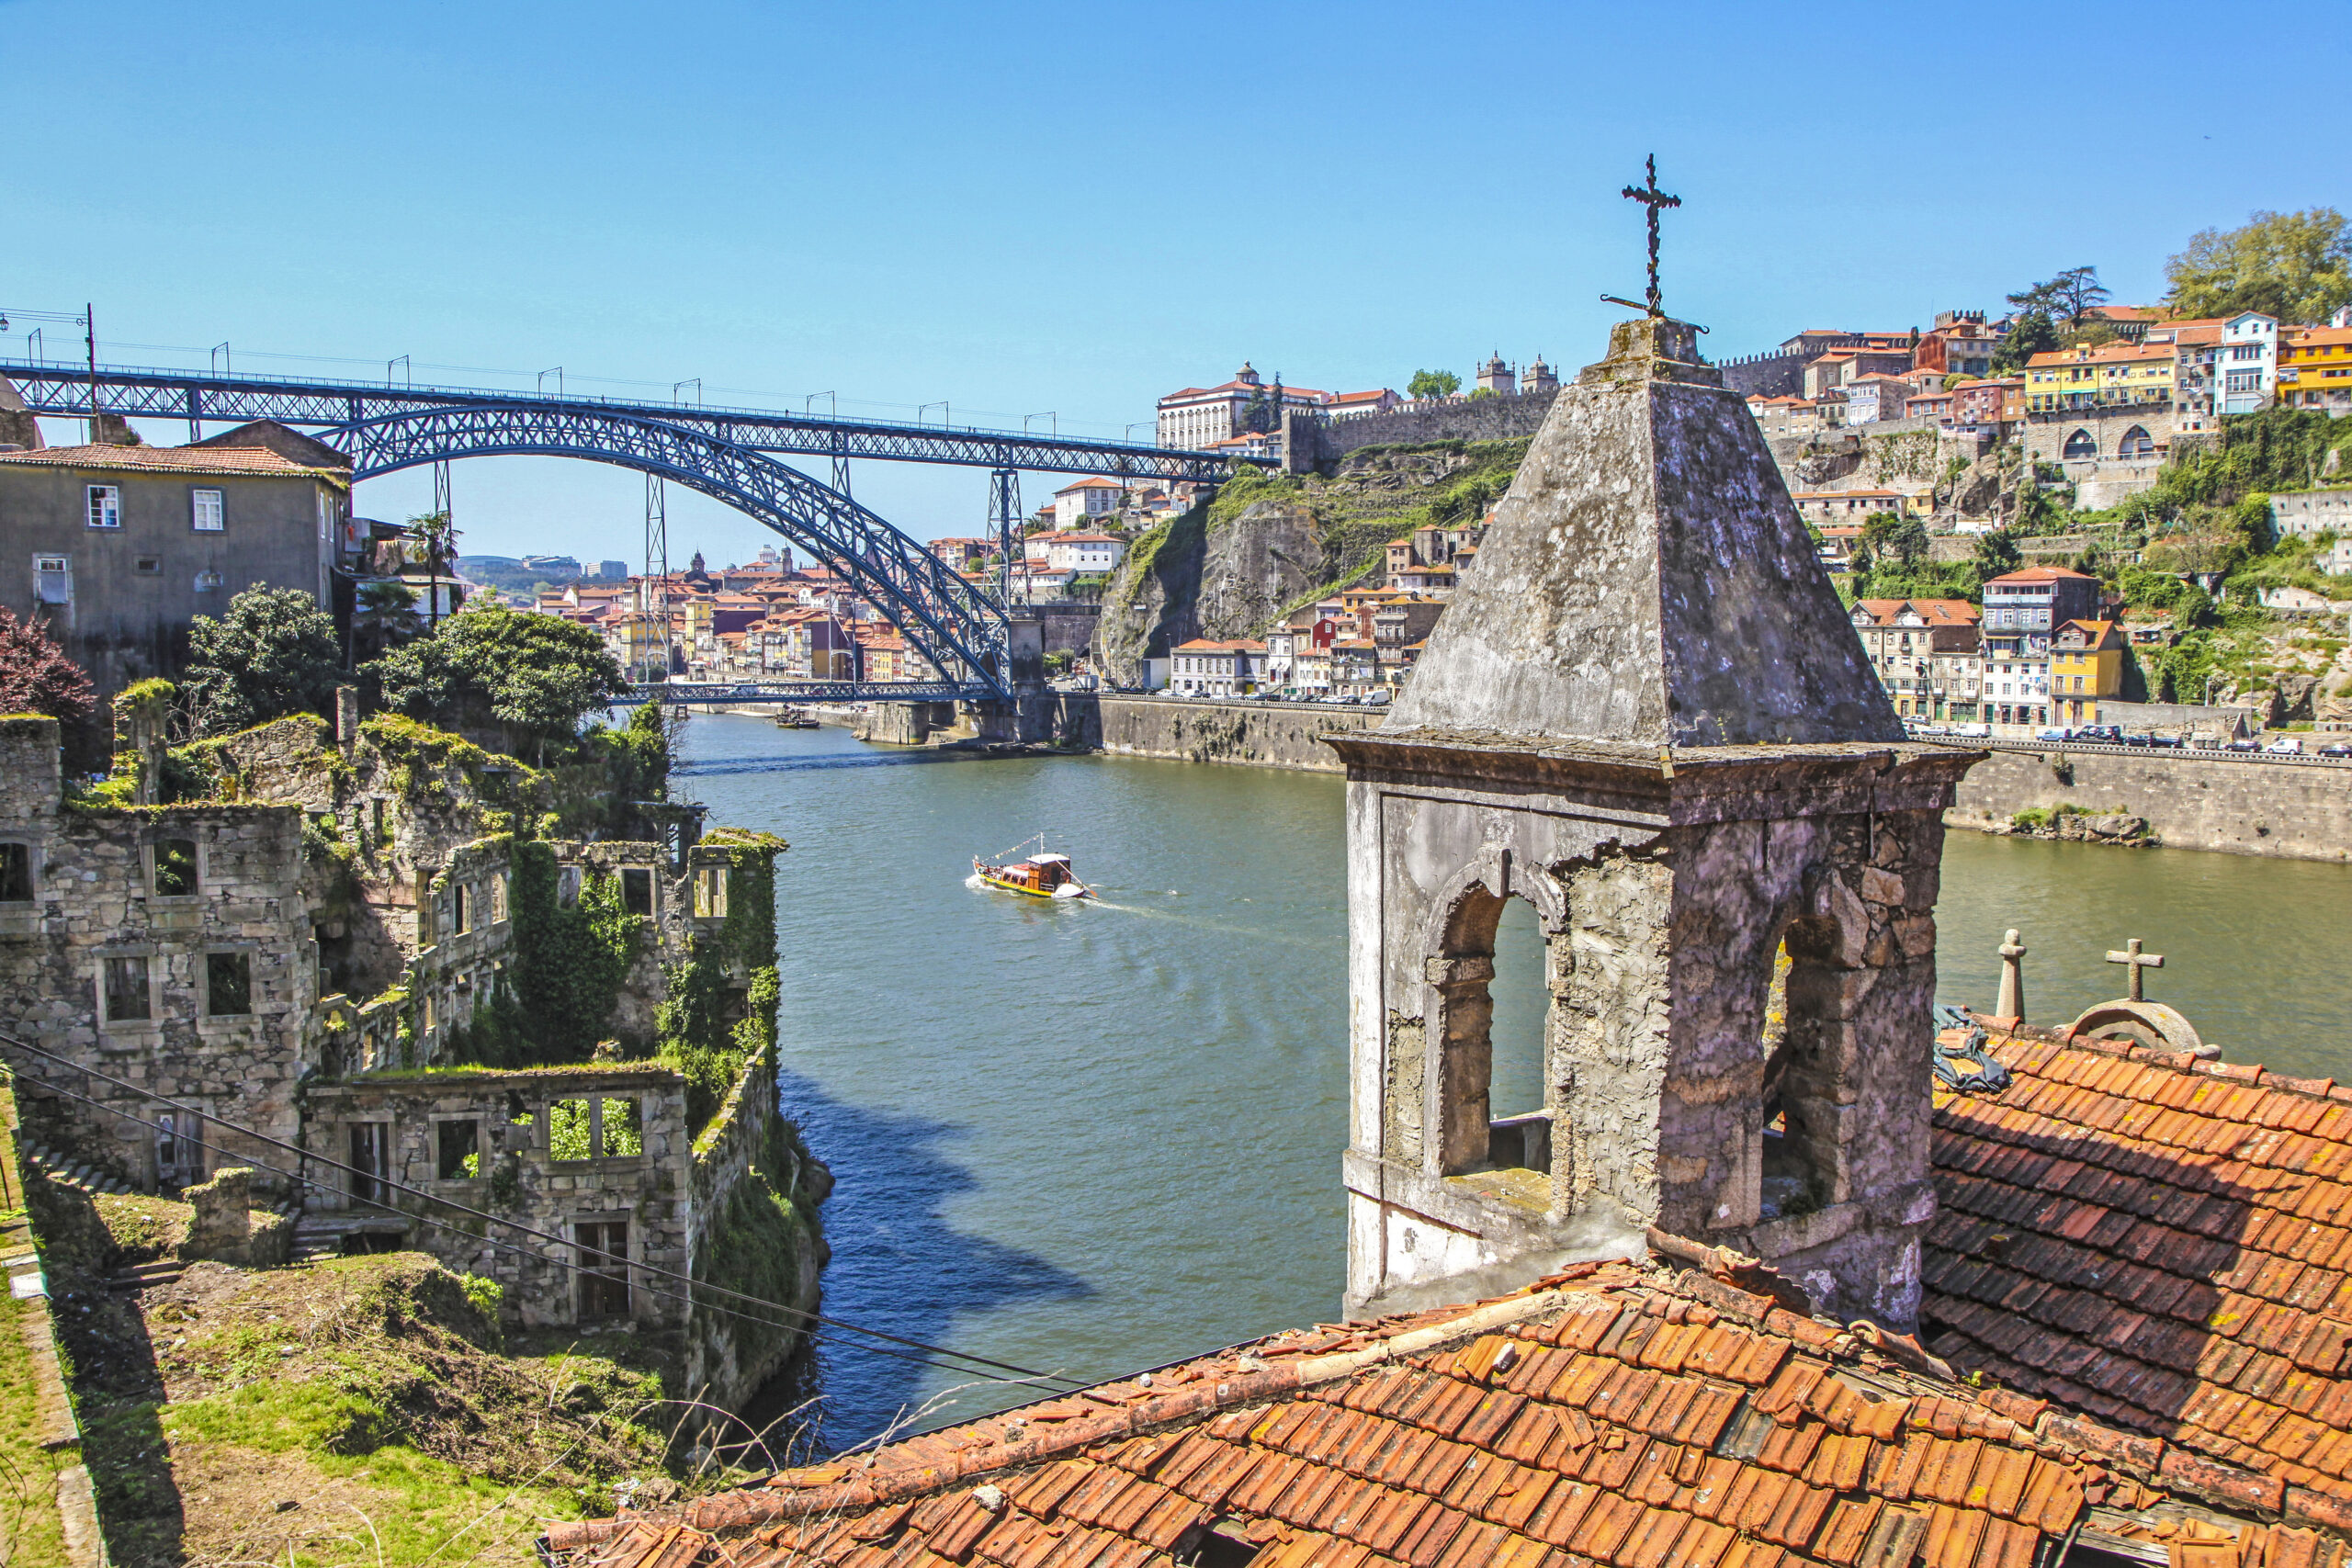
1379	699
2168	742
2052	732
2285	746
2335	749
2100	734
1973	731
2138	739
2242	746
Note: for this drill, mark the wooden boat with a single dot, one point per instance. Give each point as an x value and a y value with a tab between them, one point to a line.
1045	874
794	718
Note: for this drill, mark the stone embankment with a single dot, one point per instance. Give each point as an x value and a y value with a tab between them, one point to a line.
2289	807
1257	733
2292	808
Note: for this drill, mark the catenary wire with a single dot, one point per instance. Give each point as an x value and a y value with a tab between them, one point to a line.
813	1335
306	1155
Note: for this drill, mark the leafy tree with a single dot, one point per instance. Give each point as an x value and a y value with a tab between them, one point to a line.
36	677
1432	384
537	676
1904	538
2294	265
273	655
1996	553
2077	290
386	615
440	535
2033	333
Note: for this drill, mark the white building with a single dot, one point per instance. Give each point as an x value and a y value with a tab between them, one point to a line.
1085	501
2248	363
1205	667
1198	417
1088	555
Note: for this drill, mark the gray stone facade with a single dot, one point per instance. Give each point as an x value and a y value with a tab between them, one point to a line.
1644	716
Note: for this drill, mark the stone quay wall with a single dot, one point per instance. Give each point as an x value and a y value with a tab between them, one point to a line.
1263	735
2238	805
1309	442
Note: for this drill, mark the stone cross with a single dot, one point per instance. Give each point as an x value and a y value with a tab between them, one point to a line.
2011	1005
1650	196
2136	962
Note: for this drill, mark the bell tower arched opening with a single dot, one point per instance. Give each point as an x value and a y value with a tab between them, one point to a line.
1492	1100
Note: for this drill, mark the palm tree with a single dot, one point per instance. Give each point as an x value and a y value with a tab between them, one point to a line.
440	537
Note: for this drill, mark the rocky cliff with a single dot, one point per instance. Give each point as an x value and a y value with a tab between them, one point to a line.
1271	543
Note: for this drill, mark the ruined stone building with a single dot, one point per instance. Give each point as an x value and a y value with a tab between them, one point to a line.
1752	1286
338	941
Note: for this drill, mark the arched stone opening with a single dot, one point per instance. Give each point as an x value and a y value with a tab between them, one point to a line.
1490	1096
2136	443
1799	1156
2082	444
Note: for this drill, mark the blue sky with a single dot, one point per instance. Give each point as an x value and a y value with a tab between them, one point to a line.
1077	207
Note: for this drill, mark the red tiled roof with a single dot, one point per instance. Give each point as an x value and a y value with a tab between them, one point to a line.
1603	1417
236	460
2162	1242
2036	574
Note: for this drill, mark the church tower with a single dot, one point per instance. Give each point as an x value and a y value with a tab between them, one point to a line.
1645	715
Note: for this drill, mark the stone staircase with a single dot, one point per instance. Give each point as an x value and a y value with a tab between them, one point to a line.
326	1232
67	1172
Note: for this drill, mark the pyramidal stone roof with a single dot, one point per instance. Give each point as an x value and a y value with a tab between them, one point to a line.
1646	579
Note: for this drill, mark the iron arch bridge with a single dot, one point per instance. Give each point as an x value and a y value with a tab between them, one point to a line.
956	625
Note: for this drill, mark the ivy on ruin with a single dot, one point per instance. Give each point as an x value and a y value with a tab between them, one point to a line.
719	1011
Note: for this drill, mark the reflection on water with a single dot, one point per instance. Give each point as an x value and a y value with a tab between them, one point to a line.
1093	1137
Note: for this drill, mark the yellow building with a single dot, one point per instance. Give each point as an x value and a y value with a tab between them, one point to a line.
2315	369
2114	375
2085	666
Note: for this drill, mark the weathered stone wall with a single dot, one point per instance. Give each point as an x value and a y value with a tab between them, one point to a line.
746	1158
1309	444
94	898
519	1178
1264	735
2249	806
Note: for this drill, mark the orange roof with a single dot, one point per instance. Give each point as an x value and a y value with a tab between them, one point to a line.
2160	1240
1096	483
1208	645
1604	1415
1087	538
2105	354
1846	495
2040	574
248	461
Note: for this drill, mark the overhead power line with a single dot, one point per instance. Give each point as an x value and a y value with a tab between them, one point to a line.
692	1285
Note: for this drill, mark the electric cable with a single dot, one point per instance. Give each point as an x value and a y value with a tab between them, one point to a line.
813	1335
515	1226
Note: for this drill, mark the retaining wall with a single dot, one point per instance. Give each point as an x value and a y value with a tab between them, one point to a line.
2247	805
1264	735
1309	442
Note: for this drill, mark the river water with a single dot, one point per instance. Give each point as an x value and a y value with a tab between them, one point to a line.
1089	1139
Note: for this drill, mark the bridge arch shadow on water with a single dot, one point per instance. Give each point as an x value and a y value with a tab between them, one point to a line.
900	1266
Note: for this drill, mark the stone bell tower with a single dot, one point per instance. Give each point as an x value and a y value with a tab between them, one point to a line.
1646	715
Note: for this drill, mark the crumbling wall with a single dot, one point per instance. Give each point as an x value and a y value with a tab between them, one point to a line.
522	1174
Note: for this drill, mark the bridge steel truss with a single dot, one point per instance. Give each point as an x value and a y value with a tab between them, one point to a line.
960	629
65	392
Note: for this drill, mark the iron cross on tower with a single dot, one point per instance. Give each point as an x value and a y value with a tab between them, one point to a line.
1651	197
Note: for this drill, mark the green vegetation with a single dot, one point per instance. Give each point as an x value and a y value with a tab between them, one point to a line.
272	655
720	1010
533	677
570	962
1432	384
2294	265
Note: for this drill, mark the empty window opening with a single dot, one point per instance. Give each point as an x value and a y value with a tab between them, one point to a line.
1798	1113
382	837
620	1129
566	888
497	899
456	1153
126	987
636	891
456	908
710	891
1494	1007
175	868
15	873
569	1124
603	1267
370	1161
228	984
